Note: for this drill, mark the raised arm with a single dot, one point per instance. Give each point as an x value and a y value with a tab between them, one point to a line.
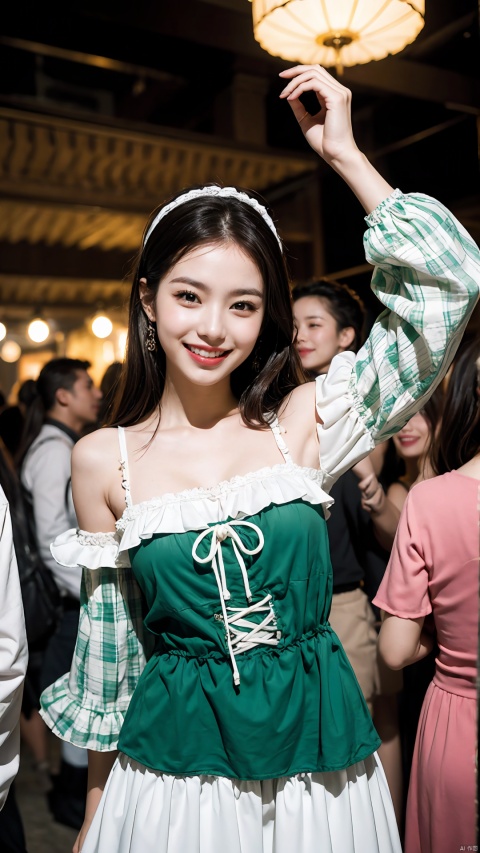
329	132
427	275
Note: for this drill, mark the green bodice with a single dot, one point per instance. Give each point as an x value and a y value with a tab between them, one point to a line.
298	706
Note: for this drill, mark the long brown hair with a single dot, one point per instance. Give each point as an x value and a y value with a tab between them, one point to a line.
459	438
273	370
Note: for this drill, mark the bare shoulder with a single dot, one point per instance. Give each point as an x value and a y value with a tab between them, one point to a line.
297	417
300	403
94	469
95	449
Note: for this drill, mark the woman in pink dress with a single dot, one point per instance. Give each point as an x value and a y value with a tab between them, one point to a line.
434	569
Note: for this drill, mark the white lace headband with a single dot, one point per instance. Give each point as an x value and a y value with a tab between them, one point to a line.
222	192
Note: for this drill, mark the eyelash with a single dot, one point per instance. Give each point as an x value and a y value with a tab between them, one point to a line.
183	293
248	306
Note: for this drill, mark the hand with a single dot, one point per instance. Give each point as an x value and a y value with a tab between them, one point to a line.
329	131
77	847
363	468
373	496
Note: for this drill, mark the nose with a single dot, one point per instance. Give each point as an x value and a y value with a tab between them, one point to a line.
300	334
211	326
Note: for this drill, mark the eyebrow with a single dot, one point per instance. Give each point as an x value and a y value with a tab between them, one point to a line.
242	291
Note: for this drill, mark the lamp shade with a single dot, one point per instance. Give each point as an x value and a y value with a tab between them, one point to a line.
336	32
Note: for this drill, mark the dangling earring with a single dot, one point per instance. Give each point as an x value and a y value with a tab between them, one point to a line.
150	342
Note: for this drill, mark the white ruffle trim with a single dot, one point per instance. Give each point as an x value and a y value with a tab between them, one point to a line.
75	720
89	550
192	509
240	497
343	435
375	217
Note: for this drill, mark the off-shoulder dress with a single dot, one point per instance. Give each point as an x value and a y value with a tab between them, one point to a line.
204	651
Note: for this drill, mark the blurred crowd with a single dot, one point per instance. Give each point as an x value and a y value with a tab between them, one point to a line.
37	435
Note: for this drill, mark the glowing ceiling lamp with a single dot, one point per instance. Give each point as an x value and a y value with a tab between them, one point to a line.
336	32
101	326
3	331
38	330
10	352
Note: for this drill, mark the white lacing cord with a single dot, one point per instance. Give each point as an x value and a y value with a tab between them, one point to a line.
264	632
257	633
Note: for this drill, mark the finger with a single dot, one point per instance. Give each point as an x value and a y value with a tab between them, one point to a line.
364	484
312	78
302	115
326	95
312	71
289	73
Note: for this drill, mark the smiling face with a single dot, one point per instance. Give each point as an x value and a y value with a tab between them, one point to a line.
319	339
209	310
412	442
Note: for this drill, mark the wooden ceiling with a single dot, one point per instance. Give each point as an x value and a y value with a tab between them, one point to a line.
115	106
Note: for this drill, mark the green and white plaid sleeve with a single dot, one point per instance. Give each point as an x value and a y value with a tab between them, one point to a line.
427	275
87	706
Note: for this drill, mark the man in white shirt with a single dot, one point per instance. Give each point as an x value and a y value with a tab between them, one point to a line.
13	653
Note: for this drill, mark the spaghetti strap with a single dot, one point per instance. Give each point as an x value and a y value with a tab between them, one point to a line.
277	434
124	465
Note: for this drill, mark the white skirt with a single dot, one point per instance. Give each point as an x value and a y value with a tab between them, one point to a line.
343	811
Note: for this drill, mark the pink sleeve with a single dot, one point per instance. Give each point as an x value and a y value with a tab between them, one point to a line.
404	588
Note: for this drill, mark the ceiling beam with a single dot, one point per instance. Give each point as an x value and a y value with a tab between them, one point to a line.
95	61
416	80
428	43
217	27
417	137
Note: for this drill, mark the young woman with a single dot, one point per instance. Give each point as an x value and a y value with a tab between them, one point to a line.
434	569
329	318
413	446
207	550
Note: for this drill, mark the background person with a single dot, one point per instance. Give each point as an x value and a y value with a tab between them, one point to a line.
13	666
413	448
434	569
66	403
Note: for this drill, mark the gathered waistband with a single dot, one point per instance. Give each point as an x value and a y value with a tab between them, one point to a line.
260	651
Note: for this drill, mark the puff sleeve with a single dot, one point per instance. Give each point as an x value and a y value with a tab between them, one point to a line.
427	275
87	706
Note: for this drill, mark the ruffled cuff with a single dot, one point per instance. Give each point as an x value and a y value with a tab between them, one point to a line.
375	217
343	434
89	550
80	723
